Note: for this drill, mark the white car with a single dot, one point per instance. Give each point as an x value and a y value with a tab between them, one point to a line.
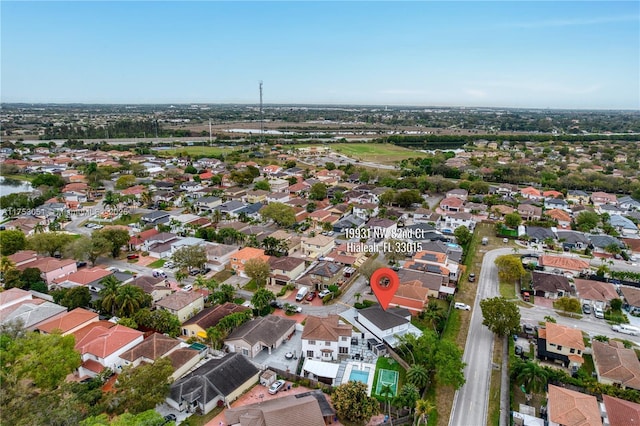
324	293
462	306
276	386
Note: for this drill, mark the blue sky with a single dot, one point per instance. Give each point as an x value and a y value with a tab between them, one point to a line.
513	54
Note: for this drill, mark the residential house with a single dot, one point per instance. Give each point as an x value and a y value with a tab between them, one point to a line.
577	196
616	365
28	225
23	257
620	412
570	408
381	228
218	382
595	292
318	246
278	197
252	211
560	216
538	234
631	297
623	225
207	204
198	325
230	209
322	275
462	194
349	221
256	196
601	243
326	338
278	185
563	265
31	313
292	241
156	287
12	298
387	325
452	221
86	277
285	269
155	217
561	343
451	204
550	286
101	348
183	304
136	242
308	408
51	268
252	337
531	193
435	262
598	198
556	203
627	203
573	240
69	322
158	346
365	211
239	258
437	284
552	194
191	186
219	255
529	212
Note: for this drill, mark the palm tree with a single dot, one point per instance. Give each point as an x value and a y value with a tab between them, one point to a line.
200	282
108	293
39	228
418	375
6	265
147	198
385	391
532	377
423	408
129	300
181	275
357	296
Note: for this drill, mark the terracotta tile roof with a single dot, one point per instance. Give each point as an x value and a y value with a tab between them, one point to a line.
559	215
80	334
151	348
84	276
248	253
616	363
93	366
621	412
554	194
531	191
22	256
328	328
595	290
562	262
571	408
564	336
102	342
48	264
452	202
143	236
632	243
68	321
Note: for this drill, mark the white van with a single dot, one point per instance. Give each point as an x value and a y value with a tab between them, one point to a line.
302	293
626	329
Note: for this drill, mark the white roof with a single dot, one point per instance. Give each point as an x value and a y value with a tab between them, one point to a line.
447	290
320	368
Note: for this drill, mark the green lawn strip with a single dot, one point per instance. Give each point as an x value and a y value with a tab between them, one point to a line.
157	264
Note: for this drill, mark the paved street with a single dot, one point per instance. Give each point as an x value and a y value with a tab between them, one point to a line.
471	400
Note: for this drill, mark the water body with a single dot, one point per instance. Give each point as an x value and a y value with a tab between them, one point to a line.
12	186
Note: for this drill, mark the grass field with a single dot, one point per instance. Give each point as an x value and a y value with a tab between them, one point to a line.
376	152
195	150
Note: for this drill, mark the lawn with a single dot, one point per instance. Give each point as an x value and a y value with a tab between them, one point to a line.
223	275
375	152
387	364
205	151
157	264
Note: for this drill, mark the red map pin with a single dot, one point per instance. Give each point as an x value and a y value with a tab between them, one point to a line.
384	283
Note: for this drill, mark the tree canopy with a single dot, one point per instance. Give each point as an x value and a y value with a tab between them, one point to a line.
501	316
258	270
12	241
188	257
353	404
510	268
280	213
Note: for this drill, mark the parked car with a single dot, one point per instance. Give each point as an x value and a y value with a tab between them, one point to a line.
291	308
276	386
170	418
586	309
194	272
324	293
187	287
81	264
169	265
528	329
598	313
311	296
463	306
276	304
519	350
472	277
133	256
159	273
626	329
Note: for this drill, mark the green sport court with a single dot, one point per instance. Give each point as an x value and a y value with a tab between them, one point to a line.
387	377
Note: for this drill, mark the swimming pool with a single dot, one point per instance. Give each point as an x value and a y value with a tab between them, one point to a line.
359	376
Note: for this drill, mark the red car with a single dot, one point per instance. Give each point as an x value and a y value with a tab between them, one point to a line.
311	296
132	256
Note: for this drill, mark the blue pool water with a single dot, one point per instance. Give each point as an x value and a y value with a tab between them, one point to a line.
359	376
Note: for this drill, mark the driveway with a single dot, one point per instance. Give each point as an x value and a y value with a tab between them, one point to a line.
543	302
